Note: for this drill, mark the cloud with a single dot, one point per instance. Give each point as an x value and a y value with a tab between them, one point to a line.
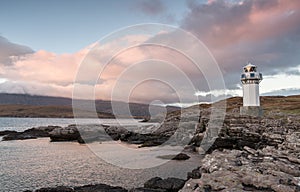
263	31
10	51
153	7
284	92
45	67
35	88
41	73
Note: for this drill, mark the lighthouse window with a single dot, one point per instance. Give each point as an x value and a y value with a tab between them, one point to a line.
252	75
243	76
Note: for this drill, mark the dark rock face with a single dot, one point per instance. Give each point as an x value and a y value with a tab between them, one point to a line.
168	185
32	133
7	132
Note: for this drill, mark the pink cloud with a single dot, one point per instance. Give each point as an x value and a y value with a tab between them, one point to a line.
45	67
263	31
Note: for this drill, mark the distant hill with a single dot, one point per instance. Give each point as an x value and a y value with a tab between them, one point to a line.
43	111
24	99
270	104
24	104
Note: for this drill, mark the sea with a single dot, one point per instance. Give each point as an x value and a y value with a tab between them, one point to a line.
36	163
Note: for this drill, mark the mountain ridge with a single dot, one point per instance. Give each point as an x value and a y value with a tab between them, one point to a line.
25	102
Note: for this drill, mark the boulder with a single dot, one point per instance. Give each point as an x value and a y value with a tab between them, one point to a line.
169	184
69	133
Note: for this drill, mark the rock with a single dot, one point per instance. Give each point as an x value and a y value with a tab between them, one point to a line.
145	120
85	188
220	172
195	174
69	133
169	184
99	188
142	189
56	189
32	133
181	156
18	136
249	154
6	132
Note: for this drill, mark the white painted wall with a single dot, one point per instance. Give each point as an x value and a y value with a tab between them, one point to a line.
251	95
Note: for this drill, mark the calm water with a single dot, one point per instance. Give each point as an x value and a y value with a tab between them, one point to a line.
21	124
31	164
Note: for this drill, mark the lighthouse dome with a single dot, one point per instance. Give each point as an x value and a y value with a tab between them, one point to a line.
250	74
249	68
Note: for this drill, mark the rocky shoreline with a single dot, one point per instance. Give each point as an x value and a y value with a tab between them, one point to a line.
86	134
248	153
155	184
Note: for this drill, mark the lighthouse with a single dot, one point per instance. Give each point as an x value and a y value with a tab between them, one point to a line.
250	79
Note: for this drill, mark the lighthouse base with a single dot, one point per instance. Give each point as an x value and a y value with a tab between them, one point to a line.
255	111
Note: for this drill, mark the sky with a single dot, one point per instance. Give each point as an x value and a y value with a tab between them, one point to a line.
43	45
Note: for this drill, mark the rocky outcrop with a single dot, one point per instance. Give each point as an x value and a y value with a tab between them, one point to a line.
245	170
249	154
69	133
101	133
87	134
32	133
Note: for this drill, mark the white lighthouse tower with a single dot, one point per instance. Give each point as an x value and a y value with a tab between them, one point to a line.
250	79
